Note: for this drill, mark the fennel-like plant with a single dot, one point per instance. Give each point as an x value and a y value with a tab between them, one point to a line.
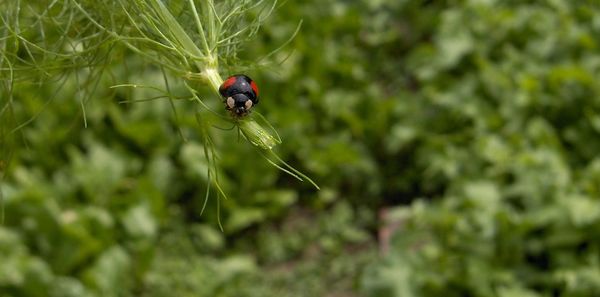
190	39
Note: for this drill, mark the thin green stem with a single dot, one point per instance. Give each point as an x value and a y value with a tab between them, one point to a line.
200	27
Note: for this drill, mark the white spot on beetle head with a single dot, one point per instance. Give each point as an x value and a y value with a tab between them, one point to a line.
230	102
248	104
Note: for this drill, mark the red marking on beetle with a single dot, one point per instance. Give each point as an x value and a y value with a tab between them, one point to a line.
230	81
254	87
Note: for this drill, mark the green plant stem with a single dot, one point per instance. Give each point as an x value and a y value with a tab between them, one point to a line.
212	77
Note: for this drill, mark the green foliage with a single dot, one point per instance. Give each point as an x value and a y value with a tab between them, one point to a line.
510	155
472	124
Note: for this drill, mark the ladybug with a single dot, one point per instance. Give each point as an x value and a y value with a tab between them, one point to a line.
240	93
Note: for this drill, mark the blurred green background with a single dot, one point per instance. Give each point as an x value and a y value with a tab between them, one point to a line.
456	144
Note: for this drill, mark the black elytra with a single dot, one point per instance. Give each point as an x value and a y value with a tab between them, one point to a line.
240	93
